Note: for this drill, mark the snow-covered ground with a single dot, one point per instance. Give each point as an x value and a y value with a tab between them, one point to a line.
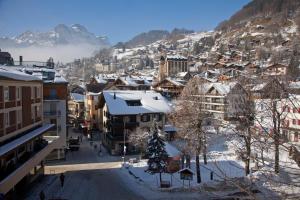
221	161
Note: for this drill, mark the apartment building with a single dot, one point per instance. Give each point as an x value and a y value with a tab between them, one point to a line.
124	110
214	98
23	141
92	116
55	100
171	65
76	109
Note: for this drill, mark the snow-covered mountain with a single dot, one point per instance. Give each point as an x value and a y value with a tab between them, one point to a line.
60	35
63	43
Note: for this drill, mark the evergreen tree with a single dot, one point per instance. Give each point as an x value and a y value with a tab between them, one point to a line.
156	152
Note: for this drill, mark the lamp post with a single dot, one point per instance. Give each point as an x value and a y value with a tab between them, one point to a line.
124	137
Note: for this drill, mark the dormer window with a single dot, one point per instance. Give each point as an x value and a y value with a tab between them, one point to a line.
133	103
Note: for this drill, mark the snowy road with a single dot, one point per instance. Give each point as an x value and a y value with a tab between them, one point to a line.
88	176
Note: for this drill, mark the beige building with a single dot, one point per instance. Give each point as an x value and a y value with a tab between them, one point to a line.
92	116
170	66
24	143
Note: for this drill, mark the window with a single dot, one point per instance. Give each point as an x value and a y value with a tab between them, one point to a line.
19	116
145	118
294	121
294	110
298	122
38	111
32	92
96	107
32	112
158	117
7	122
18	90
133	102
53	93
38	93
6	94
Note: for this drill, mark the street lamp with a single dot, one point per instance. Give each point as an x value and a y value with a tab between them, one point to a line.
124	144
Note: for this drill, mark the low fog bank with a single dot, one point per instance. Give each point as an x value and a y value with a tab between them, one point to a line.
61	53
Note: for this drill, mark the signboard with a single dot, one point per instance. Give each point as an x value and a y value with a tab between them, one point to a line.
184	176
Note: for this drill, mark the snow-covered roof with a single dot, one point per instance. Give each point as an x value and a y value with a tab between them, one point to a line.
186	169
222	88
176	81
10	73
128	81
169	128
294	85
181	74
151	102
77	97
171	150
259	87
177	57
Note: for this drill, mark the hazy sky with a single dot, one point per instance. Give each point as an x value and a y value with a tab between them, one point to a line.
120	20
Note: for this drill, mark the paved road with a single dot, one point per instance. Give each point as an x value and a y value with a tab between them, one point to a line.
88	176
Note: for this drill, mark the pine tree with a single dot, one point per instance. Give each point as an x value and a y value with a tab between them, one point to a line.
156	152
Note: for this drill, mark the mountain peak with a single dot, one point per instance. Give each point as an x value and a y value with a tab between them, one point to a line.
79	28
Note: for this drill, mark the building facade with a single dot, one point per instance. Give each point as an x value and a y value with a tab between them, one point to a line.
170	66
123	111
23	141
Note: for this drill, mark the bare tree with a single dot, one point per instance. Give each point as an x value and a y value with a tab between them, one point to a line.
189	117
139	138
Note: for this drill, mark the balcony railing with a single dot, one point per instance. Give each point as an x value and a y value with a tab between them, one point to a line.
52	113
11	167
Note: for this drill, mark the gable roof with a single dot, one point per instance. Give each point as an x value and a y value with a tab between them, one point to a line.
152	102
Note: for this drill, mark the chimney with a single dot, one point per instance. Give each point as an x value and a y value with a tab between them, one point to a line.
21	60
114	95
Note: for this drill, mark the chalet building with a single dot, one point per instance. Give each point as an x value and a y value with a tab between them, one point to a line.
184	76
24	141
251	68
78	89
123	111
76	109
131	83
171	65
170	88
96	85
275	70
270	89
